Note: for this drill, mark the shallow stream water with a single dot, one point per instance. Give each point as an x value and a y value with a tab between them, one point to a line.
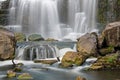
47	72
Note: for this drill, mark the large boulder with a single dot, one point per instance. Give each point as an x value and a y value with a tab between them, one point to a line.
7	44
111	61
20	37
71	58
87	44
111	34
35	37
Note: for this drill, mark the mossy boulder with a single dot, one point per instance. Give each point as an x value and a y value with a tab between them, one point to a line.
20	37
87	44
72	58
35	37
11	74
25	76
111	61
106	50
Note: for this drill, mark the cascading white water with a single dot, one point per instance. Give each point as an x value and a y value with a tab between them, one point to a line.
81	17
46	16
36	16
31	52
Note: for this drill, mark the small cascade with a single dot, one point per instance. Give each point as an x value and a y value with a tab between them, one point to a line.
80	23
32	52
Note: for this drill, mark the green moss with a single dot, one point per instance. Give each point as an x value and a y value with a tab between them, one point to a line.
105	7
20	37
107	50
112	58
35	37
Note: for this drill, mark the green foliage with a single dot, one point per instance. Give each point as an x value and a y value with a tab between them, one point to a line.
111	7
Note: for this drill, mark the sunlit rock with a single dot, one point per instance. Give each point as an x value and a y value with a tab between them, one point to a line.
25	76
71	58
87	44
11	74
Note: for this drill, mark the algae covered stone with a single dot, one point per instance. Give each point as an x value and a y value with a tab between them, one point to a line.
35	37
111	61
20	37
11	74
25	76
71	58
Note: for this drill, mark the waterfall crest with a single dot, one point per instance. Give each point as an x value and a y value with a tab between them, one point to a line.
32	52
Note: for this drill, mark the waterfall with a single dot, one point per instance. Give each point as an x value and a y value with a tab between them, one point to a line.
36	16
32	52
54	18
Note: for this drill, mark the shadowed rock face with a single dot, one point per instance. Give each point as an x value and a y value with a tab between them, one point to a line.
7	44
111	34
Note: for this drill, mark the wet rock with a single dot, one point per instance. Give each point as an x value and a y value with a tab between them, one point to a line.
46	61
20	37
17	69
25	76
111	34
71	58
51	39
35	37
7	44
19	64
101	42
111	61
87	44
80	78
11	74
